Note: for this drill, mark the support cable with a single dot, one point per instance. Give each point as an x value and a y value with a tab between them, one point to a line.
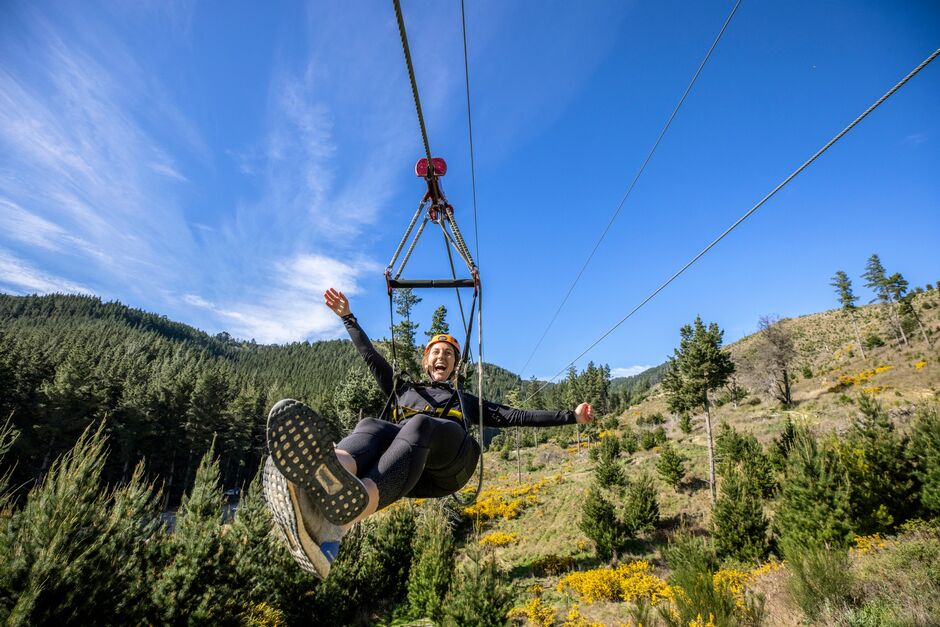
750	211
636	178
473	176
414	82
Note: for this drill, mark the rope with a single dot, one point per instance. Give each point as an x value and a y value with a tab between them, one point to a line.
414	82
636	178
750	211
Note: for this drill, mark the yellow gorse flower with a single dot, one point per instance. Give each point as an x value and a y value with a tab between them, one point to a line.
507	502
867	544
628	582
498	538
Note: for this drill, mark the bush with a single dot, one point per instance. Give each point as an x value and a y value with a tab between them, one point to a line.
653	419
873	341
628	441
479	597
671	466
924	455
685	423
733	448
739	527
693	562
647	440
880	482
641	509
432	565
814	506
821	578
600	524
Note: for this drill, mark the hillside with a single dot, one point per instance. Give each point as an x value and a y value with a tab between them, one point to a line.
164	389
544	542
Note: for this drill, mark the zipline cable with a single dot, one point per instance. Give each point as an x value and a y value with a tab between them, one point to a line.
414	82
636	178
747	214
473	175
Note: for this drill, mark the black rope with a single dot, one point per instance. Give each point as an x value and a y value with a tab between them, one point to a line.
636	178
414	82
750	211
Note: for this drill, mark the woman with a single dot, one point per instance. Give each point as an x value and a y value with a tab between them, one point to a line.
423	449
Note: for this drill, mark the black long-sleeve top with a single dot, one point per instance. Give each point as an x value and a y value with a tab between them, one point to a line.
433	398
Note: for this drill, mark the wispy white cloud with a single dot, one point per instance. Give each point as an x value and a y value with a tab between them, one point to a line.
19	277
629	371
291	308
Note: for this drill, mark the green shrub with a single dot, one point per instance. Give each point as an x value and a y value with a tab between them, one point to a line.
653	419
820	579
641	509
628	441
814	507
881	487
685	423
671	466
432	565
647	440
873	341
600	524
739	528
924	455
479	596
692	562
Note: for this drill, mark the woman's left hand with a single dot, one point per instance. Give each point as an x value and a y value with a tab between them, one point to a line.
584	413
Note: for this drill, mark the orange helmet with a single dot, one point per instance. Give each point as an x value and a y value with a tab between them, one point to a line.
442	337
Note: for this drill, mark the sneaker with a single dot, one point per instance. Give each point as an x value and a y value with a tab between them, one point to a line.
301	444
312	540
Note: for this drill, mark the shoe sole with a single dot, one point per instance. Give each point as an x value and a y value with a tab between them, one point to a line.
282	503
302	448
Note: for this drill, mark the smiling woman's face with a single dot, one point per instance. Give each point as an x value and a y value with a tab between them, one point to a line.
439	361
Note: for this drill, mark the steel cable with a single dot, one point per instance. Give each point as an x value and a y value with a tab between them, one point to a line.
750	211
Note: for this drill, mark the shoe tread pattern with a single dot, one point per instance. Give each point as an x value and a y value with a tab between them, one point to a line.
302	448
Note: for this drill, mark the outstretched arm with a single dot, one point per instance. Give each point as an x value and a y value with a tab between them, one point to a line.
379	367
496	415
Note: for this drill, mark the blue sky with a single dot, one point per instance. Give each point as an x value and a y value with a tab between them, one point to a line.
224	163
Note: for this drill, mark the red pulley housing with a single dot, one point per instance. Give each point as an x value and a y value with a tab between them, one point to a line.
440	167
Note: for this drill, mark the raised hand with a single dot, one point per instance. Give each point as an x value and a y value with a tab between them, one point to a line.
584	413
336	301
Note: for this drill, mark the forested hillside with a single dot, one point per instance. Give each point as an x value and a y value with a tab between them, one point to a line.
163	389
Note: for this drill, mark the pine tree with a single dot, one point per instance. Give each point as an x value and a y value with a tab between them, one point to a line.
880	482
641	509
600	524
195	584
262	567
75	552
438	322
432	566
358	395
924	455
814	508
403	333
479	596
391	541
847	300
696	368
608	471
878	281
671	466
739	527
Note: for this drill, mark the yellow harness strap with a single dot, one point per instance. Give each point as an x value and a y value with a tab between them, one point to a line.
403	413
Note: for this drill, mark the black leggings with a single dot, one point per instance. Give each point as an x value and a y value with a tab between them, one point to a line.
420	457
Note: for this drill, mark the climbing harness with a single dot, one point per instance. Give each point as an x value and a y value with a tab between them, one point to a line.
435	209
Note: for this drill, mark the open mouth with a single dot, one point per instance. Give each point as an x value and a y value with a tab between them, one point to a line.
440	368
